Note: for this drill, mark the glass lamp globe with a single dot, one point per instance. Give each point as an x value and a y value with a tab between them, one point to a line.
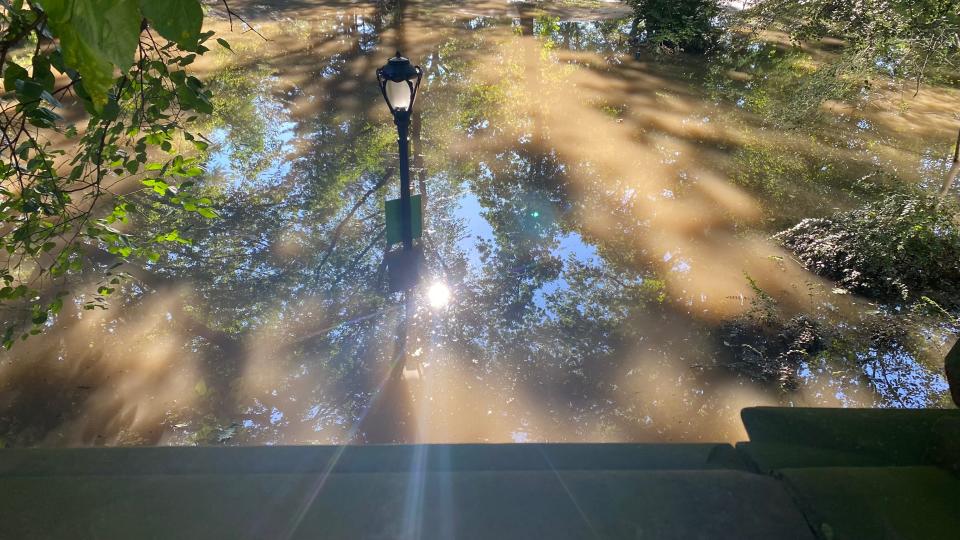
399	80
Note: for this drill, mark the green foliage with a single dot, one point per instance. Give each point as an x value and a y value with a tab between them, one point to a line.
95	37
63	185
234	92
901	38
678	24
792	180
475	105
785	87
177	20
766	347
767	170
900	248
365	157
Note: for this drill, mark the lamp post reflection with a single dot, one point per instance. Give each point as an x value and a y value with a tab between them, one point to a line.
393	415
399	81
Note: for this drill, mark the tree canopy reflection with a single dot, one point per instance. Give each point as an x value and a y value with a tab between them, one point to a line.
578	307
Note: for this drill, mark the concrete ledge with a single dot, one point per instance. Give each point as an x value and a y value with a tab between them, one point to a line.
499	505
767	457
892	437
906	503
367	459
830	474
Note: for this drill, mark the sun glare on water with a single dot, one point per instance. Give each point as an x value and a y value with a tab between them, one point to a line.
438	295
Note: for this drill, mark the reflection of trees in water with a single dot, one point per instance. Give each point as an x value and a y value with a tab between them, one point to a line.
277	317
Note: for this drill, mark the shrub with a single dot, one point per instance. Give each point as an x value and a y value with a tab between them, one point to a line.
684	24
898	248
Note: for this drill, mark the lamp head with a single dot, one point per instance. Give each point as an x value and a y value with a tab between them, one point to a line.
399	81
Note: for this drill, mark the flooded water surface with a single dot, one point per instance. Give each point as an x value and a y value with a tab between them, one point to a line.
597	245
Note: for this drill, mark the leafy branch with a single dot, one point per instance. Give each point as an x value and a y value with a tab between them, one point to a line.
65	187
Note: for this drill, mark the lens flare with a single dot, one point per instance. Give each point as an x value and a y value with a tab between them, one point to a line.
438	295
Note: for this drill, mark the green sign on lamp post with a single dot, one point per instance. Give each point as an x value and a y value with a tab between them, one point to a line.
395	222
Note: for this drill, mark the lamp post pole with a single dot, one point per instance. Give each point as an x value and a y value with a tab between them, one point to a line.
402	119
398	81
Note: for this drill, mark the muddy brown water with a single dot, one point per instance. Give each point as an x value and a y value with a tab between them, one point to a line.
586	241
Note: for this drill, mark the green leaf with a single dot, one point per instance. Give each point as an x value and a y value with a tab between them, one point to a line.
111	110
11	75
223	43
28	92
95	36
207	213
42	73
96	74
177	20
56	305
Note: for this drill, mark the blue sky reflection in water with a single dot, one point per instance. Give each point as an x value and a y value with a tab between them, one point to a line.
589	240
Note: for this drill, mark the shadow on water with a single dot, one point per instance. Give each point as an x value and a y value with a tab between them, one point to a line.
591	220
